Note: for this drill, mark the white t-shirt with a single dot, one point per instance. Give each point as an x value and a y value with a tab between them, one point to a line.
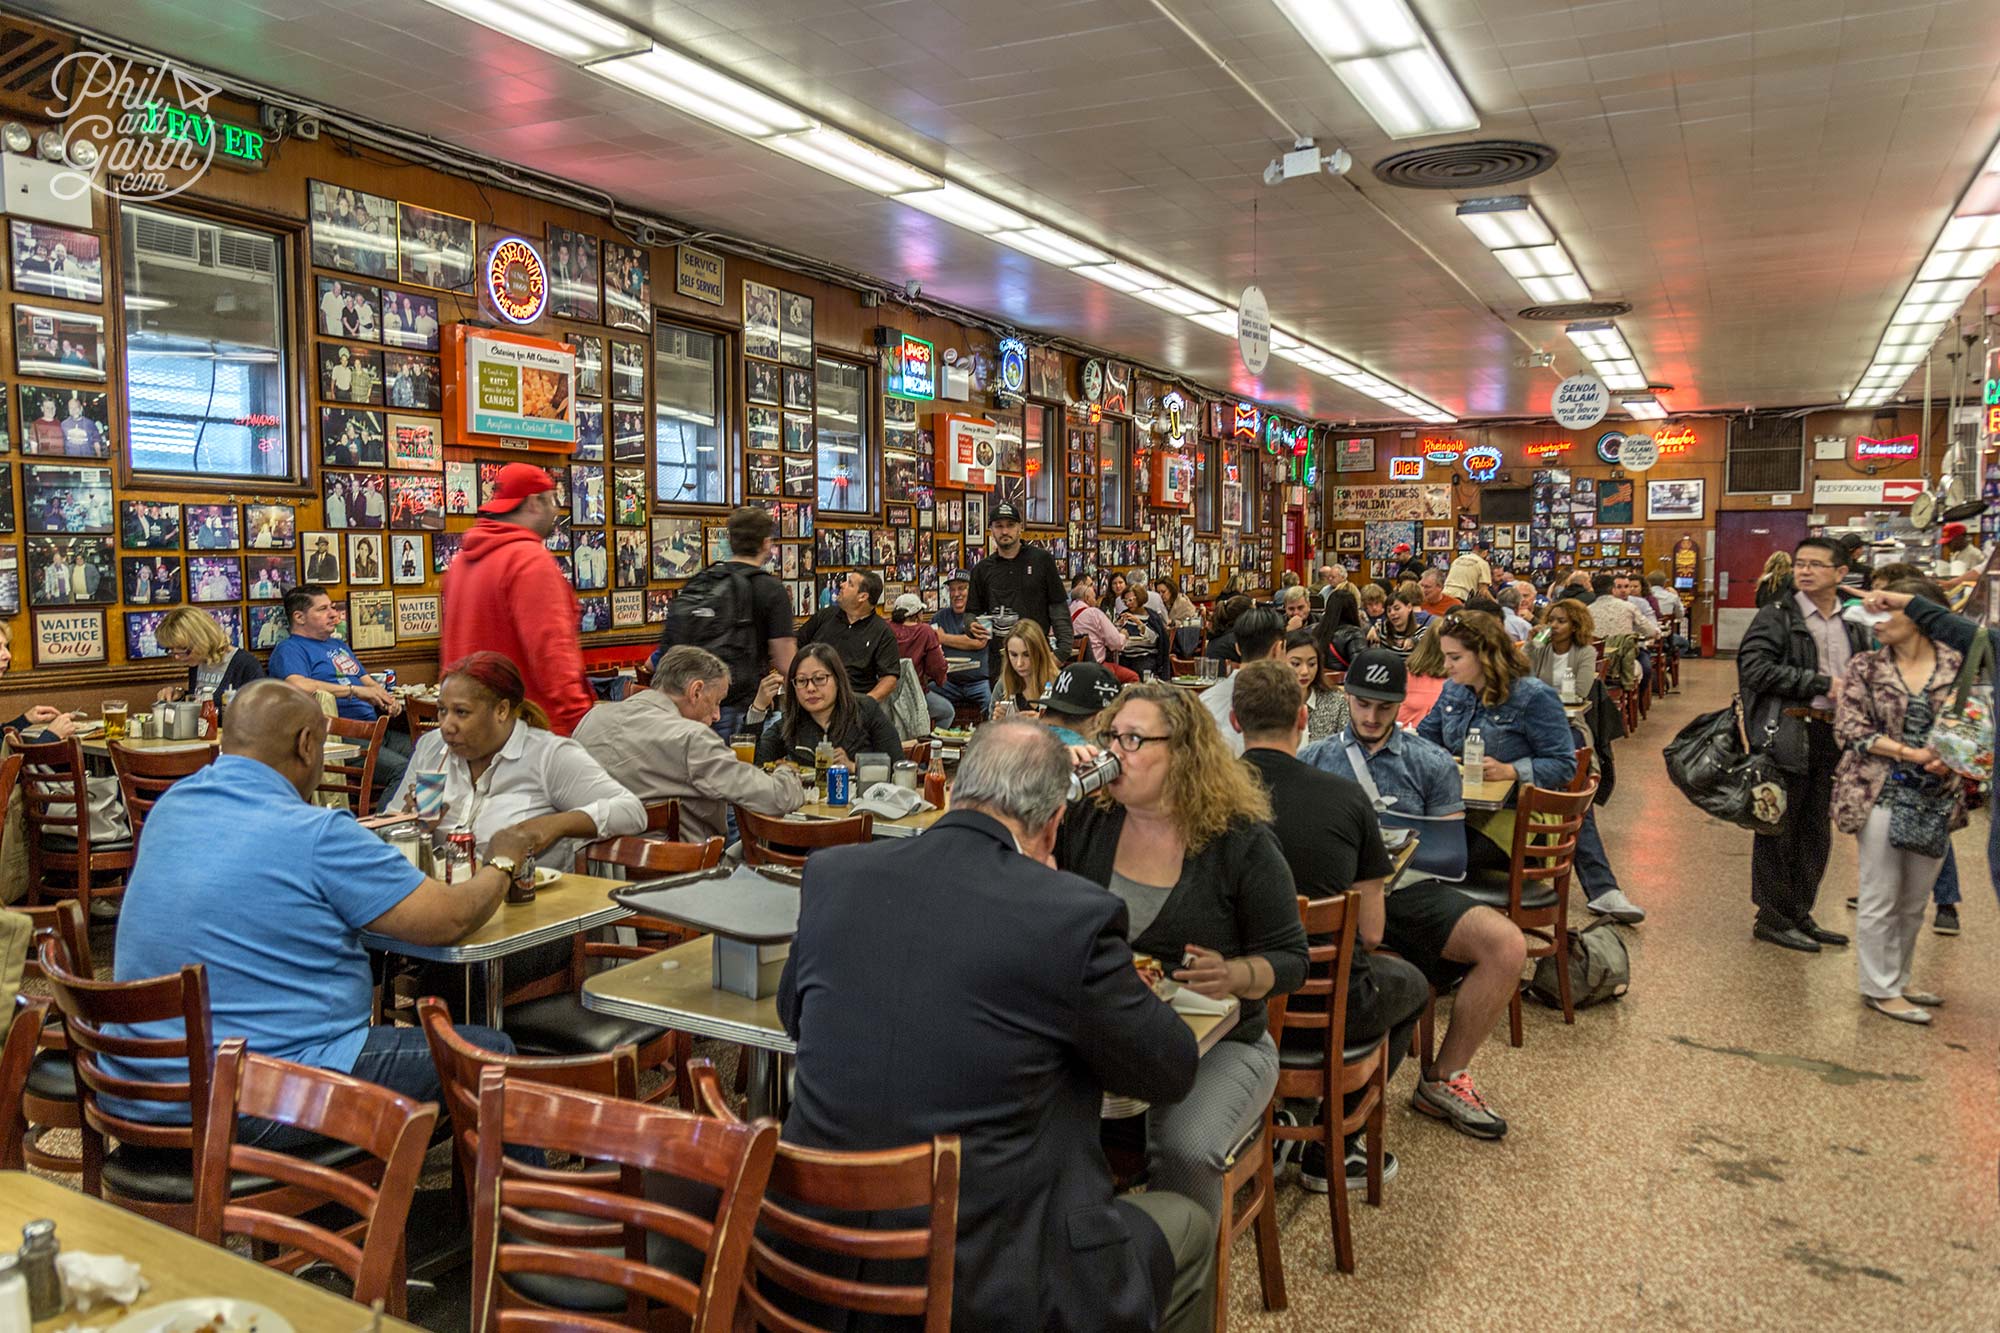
1219	699
1969	561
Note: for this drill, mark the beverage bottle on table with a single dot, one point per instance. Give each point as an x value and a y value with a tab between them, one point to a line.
934	782
1475	760
211	722
822	760
15	1313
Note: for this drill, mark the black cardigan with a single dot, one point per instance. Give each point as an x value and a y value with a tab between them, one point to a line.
241	668
1235	896
873	731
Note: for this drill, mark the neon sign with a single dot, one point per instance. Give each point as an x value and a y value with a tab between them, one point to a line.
1676	440
1407	468
515	283
1179	424
1013	365
1610	445
913	372
1550	448
1248	419
235	145
1443	450
1482	463
1900	449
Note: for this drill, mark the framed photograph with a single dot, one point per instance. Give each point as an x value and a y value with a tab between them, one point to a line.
1679	501
801	477
148	525
352	230
592	614
366	564
629	558
628	497
589	431
761	383
586	495
413	381
591	566
558	538
1348	540
795	329
352	437
676	547
1437	539
762	427
371	620
444	550
657	602
69	499
798	390
56	261
322	555
589	364
349	374
761	474
351	310
355	499
799	437
628	371
1232	504
148	580
628	608
461	488
760	321
409	320
65	423
628	287
271	577
415	443
416	503
628	435
1614	502
269	626
215	578
419	617
575	279
408	565
58	344
433	249
270	527
70	638
141	635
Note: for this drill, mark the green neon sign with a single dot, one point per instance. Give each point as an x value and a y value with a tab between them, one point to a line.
240	146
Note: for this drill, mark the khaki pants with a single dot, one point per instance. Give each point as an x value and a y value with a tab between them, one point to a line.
1190	1233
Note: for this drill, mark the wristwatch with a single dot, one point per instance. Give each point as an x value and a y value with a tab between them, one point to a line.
506	865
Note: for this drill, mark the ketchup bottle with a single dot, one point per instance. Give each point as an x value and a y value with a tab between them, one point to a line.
934	783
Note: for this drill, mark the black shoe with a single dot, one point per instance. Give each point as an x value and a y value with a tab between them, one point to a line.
1312	1169
1284	1150
1821	933
1946	921
1785	937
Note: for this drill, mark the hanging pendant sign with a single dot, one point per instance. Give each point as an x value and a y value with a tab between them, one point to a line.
1580	402
1013	365
1253	329
1638	453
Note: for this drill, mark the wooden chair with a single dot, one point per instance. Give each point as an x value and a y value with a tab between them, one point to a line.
1314	1062
145	775
50	1099
17	1057
732	1161
918	1185
663	819
1534	890
354	778
547	1017
1185	666
152	1170
390	1127
787	842
420	717
917	752
56	815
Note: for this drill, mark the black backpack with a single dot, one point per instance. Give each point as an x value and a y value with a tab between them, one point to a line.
716	610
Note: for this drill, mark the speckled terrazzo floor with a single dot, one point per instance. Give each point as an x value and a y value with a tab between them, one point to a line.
1736	1144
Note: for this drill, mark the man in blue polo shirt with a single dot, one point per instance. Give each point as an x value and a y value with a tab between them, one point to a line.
1451	938
313	660
967	640
239	872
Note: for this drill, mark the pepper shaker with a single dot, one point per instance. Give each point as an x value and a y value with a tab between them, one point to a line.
39	1248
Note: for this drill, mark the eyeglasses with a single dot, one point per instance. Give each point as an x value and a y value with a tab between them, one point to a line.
1131	742
812	682
1812	564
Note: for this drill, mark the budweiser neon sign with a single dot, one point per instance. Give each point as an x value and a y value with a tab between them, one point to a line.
1899	449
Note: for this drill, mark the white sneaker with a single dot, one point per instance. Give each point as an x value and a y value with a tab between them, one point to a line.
1618	907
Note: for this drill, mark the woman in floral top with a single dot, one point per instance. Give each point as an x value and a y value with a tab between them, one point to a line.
1326	703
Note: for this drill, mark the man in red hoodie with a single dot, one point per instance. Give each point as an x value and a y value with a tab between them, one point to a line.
504	594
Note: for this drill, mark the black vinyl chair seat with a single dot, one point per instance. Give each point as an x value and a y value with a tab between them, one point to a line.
560	1025
1489	889
62	842
52	1077
166	1175
1305	1048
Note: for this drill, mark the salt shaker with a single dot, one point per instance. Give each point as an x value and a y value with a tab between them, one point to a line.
15	1315
39	1248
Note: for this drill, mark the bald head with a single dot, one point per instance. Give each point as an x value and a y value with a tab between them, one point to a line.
281	728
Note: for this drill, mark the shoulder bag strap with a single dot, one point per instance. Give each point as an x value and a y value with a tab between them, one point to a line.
1359	762
1976	660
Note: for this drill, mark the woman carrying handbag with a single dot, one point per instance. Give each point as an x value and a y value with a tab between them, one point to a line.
1897	796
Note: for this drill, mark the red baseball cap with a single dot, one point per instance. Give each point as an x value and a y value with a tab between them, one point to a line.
1952	532
517	482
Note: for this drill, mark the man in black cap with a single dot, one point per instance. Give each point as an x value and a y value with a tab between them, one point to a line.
1451	938
1020	579
1079	693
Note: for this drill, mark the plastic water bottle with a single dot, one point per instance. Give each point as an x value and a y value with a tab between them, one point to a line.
822	761
1475	761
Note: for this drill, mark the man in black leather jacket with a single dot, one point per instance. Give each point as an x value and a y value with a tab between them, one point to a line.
1788	668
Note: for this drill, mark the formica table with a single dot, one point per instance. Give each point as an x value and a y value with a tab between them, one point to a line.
909	826
99	748
1489	795
176	1266
571	904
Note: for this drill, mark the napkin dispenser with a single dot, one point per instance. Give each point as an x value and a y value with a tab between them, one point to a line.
871	767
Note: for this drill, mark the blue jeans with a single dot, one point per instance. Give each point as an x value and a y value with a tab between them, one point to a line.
398	1059
1945	892
1593	867
973	692
941	709
392	759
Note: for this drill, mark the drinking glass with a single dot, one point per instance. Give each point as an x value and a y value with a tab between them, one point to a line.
429	791
115	712
745	745
1003	709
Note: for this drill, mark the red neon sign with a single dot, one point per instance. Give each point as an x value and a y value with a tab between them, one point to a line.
1677	440
1900	449
1549	448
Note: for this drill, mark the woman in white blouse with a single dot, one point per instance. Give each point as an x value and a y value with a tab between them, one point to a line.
1561	654
504	768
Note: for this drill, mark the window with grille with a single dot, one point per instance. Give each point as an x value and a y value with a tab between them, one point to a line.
1767	454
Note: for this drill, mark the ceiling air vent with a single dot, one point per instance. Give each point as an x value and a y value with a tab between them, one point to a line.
1466	166
1571	311
28	58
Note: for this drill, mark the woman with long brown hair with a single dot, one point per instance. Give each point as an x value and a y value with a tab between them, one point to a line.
1027	666
1561	654
820	703
1183	837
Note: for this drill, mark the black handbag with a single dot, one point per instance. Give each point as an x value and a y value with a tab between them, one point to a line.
1773	732
1713	764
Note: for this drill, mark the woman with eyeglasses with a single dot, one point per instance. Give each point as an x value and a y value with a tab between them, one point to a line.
1182	835
819	702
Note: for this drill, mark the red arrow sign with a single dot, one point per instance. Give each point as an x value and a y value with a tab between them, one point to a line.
1901	492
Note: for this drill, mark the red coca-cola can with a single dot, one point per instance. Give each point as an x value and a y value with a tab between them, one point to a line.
463	844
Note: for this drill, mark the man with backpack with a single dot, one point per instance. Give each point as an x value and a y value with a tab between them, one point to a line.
739	611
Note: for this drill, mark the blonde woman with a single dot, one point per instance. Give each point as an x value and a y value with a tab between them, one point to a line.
1776	580
1183	836
1026	667
215	665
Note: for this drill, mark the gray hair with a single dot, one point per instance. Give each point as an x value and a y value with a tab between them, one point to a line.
1017	769
684	664
1509	597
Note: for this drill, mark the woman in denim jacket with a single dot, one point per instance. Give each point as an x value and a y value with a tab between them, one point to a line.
1520	718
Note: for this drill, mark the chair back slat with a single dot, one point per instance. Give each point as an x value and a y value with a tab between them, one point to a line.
10	777
421	715
663	819
391	1128
1581	780
64	921
144	776
17	1055
810	1188
55	798
354	778
764	836
734	1160
651	855
1546	824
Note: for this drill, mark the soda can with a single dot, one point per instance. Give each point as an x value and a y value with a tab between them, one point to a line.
1094	776
836	784
464	848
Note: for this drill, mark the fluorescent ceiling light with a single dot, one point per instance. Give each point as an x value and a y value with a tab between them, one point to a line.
1918	312
1499	224
965	208
1954	291
1945	264
1904	335
1217	321
560	27
1382	54
1615	366
839	153
702	91
1179	300
1644	409
1624	383
1971	233
1535	261
1281	340
1052	247
1548	291
1110	275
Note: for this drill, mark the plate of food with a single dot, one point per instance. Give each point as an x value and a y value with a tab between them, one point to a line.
546	875
957	734
205	1314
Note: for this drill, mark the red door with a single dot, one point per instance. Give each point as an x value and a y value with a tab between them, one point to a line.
1295	542
1744	540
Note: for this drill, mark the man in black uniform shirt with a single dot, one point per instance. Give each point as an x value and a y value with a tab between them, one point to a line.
1022	578
1333	842
863	639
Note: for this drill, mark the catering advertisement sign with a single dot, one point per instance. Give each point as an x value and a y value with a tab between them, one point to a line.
504	384
967	450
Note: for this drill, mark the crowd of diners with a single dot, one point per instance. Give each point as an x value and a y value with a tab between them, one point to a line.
999	945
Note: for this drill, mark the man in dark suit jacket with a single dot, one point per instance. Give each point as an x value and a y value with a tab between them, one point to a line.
956	984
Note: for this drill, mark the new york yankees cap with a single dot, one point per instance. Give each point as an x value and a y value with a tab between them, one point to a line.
1377	674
